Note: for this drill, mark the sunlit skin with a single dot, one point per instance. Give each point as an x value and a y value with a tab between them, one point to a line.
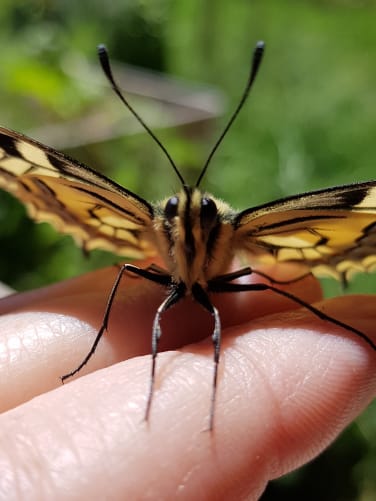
289	383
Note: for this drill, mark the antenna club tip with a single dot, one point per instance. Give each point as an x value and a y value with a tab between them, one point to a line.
101	48
260	46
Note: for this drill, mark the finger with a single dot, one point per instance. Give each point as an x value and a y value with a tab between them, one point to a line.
80	294
287	386
53	328
5	290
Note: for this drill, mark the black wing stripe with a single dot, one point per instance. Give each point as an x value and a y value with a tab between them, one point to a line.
294	221
107	202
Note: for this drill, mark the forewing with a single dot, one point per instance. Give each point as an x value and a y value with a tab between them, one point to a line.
332	231
76	200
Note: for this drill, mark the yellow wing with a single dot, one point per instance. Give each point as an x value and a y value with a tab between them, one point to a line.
76	200
331	231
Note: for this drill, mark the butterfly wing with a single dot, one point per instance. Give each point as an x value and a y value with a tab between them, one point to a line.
331	231
76	200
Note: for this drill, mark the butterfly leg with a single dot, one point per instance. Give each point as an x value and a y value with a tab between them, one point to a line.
216	285
203	299
156	269
228	277
159	278
177	293
282	282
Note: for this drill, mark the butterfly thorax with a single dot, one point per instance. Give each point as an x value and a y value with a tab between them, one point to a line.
194	235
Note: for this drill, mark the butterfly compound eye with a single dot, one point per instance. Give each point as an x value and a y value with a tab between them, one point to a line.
209	212
171	207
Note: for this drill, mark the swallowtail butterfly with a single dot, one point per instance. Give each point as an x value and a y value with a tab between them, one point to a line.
331	231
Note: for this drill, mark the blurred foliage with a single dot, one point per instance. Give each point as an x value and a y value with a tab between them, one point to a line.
309	123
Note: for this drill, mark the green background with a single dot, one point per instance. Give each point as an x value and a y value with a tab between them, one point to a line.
310	123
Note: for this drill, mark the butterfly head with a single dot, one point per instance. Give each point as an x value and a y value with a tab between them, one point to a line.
190	226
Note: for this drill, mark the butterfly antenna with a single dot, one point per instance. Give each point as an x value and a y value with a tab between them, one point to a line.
105	63
256	61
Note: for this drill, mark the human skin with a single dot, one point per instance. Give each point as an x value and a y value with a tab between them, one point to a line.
288	384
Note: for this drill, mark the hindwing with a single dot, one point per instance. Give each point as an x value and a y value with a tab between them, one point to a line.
331	231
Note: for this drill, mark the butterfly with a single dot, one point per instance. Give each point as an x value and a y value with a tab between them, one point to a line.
330	231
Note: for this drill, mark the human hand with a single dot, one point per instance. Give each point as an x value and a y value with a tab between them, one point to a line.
288	384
